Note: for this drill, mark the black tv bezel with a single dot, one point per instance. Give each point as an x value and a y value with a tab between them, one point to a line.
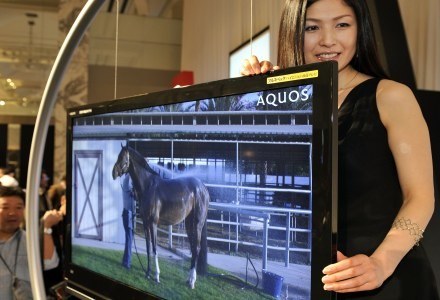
82	282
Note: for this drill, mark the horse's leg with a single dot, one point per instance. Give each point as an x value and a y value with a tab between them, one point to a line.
191	231
202	204
153	233
147	241
202	244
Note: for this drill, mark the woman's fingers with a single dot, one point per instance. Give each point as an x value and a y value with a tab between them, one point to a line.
255	64
252	66
362	282
265	66
340	256
357	273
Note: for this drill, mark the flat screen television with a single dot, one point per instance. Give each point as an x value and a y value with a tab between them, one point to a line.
238	176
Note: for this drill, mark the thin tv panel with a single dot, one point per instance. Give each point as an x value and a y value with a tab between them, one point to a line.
232	183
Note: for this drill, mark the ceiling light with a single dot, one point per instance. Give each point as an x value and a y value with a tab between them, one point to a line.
2	103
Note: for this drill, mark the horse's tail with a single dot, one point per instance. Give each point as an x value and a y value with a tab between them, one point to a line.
202	261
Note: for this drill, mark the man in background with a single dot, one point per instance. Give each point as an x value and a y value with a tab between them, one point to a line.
14	271
127	219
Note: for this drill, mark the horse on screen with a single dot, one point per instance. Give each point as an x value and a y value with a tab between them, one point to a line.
167	202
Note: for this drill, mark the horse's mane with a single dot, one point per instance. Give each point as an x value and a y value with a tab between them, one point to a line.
139	159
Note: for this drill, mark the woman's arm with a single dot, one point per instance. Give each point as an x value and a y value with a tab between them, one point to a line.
408	138
409	142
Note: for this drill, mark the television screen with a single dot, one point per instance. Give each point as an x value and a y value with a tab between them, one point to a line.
222	190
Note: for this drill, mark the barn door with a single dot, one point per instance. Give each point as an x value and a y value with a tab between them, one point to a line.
88	194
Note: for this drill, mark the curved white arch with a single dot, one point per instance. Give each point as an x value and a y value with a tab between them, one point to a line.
62	60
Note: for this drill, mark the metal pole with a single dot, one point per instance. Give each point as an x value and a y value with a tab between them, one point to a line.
265	240
170	236
170	227
74	36
286	257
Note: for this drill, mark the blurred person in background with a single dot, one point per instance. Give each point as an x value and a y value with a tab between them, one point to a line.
14	271
7	177
56	191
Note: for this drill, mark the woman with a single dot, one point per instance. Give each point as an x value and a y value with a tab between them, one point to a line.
386	194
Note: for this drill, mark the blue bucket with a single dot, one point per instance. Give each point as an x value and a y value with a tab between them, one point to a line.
272	283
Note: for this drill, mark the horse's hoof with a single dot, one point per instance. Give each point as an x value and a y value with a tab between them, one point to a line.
190	283
192	278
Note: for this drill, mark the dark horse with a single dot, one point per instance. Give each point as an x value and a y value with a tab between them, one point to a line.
168	202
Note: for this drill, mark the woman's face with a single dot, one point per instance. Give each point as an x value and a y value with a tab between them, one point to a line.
330	32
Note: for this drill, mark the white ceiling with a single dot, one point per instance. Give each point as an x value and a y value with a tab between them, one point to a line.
29	44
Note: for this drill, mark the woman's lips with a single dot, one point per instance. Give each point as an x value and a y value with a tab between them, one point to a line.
328	56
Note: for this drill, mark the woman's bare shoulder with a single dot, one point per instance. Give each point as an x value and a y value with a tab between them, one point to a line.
395	101
392	92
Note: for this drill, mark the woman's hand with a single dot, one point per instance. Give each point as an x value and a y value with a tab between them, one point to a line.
353	274
253	66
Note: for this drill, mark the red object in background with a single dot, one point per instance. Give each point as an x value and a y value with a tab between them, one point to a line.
183	78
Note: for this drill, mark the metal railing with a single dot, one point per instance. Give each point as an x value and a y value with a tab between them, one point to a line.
297	117
257	214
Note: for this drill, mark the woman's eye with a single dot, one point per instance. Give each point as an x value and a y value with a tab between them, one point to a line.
311	28
343	25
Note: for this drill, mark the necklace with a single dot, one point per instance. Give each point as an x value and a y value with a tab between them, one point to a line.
347	86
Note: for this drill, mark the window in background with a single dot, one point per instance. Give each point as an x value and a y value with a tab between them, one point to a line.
260	48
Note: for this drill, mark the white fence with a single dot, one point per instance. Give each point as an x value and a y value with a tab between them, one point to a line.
257	218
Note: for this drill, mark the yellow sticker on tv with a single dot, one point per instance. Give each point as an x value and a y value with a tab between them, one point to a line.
292	77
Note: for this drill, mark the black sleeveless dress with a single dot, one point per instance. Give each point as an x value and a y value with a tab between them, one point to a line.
370	197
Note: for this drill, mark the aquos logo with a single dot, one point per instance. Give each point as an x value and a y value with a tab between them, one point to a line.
282	97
